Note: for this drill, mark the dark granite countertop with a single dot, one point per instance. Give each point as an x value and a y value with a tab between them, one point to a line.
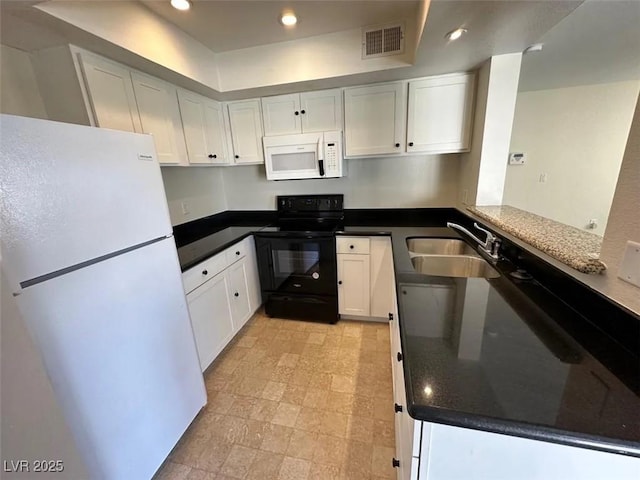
195	252
499	355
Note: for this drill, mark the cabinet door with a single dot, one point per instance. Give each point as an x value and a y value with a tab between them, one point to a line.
374	119
321	111
382	279
111	95
253	279
439	119
193	122
238	294
204	130
281	114
353	284
246	131
211	318
160	116
215	133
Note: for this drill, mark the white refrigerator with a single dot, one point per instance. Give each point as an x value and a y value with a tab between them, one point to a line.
88	252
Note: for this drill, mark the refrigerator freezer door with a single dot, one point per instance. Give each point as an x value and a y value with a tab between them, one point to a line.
72	193
117	344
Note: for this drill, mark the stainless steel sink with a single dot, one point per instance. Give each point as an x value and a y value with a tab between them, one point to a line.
453	266
439	246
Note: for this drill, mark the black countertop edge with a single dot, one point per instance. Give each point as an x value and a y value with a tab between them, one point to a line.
524	430
220	246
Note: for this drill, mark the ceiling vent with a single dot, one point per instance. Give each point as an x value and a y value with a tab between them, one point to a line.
382	40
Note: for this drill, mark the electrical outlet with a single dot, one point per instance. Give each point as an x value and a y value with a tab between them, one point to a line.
543	178
185	208
465	194
630	267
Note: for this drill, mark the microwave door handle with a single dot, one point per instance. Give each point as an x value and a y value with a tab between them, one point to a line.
321	167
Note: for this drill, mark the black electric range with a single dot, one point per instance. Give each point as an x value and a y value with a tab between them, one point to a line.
297	258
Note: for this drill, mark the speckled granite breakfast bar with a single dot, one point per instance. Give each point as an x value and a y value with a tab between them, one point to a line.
569	245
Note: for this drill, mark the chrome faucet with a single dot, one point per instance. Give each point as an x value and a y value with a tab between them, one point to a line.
489	247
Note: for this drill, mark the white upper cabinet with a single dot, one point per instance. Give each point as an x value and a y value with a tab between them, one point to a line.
110	92
302	113
374	119
321	111
204	131
440	111
281	115
246	131
160	116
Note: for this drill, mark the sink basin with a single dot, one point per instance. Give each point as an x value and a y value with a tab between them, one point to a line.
464	266
439	246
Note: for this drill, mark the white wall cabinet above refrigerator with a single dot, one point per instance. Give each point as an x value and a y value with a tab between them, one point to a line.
160	117
374	119
204	129
302	113
122	99
440	111
111	96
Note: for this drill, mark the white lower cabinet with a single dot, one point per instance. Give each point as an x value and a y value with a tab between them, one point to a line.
221	294
365	276
353	284
239	295
211	317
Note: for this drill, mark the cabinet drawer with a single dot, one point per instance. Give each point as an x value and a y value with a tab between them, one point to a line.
196	276
357	245
238	251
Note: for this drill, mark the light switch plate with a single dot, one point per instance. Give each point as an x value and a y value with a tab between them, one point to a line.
630	267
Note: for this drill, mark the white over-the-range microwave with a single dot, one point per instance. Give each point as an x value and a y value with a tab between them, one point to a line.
304	155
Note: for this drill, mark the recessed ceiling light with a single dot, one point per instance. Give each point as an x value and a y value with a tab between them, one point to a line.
288	19
455	34
181	4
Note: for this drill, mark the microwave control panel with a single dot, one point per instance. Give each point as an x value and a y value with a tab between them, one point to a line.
333	153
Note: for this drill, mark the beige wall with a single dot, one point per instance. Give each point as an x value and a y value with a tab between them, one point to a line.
201	188
484	166
19	94
409	182
576	136
624	222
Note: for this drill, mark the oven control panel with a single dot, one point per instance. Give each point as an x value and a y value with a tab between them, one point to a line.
310	203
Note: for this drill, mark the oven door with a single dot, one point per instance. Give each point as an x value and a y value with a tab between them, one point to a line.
297	264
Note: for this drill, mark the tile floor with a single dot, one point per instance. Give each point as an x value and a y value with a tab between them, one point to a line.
294	400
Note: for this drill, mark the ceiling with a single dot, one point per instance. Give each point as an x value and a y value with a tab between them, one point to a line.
591	42
599	42
230	25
